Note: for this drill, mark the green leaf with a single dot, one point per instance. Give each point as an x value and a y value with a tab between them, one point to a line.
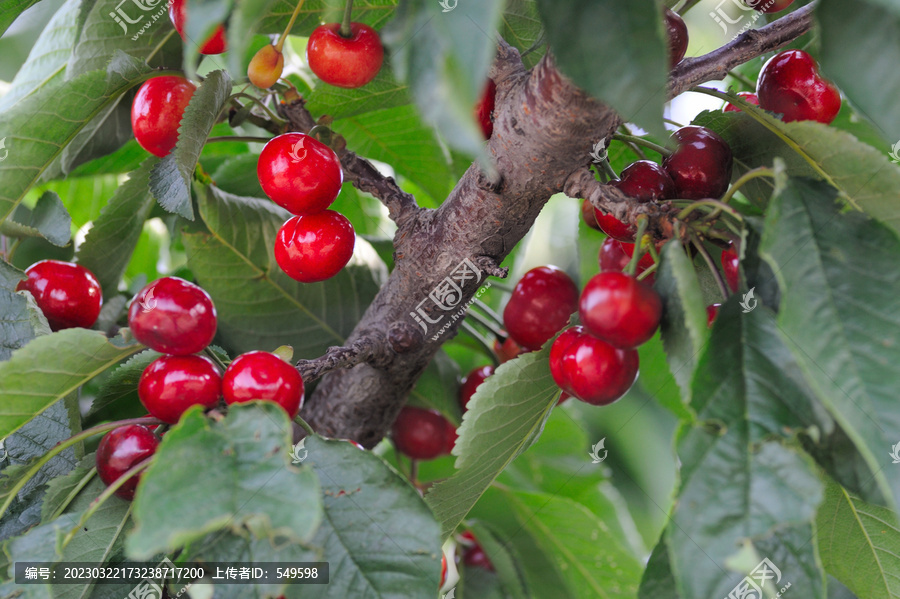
314	12
444	57
750	398
503	418
631	76
170	179
62	490
118	397
378	535
397	137
246	479
657	581
11	9
48	220
259	307
510	577
237	175
51	367
522	28
683	327
838	298
20	318
851	31
859	544
381	93
438	388
38	545
37	131
108	246
868	180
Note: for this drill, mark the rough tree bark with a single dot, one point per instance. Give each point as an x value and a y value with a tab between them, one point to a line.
544	130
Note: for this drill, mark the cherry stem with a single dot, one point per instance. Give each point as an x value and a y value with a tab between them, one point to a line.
688	6
642	142
642	223
413	471
743	79
608	169
345	30
762	171
647	272
487	323
671	122
304	425
720	206
212	356
290	26
160	45
489	311
481	341
634	147
237	138
272	116
711	265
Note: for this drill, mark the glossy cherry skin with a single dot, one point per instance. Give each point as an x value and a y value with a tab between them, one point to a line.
620	309
508	350
120	450
484	110
589	215
68	294
590	369
731	267
790	84
712	311
215	43
261	375
470	384
473	555
173	316
768	6
344	61
748	97
420	434
540	306
615	255
314	247
678	36
157	110
701	164
172	384
644	181
299	173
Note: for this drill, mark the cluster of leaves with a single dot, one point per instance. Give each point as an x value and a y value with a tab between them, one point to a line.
785	414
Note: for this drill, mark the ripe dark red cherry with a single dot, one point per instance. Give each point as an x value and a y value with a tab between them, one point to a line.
701	164
344	61
473	555
420	434
68	294
261	375
620	309
214	44
768	6
644	181
749	97
314	247
157	110
678	36
731	267
172	384
451	436
471	383
540	306
484	110
173	316
590	369
712	311
790	84
508	350
299	173
589	214
615	228
120	450
615	255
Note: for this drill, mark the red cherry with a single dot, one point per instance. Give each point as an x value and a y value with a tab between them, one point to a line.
314	247
471	383
172	384
451	437
443	570
620	309
484	110
589	215
509	350
540	306
344	61
157	110
473	555
701	164
731	267
644	181
678	36
299	173
120	450
68	294
261	375
768	6
590	369
563	397
712	311
214	44
749	97
173	316
615	255
420	434
790	84
615	228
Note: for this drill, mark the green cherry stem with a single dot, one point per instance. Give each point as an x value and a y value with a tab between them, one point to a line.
481	341
486	322
711	265
345	23
489	311
647	272
287	30
642	223
634	147
762	171
720	206
212	356
304	425
640	141
743	79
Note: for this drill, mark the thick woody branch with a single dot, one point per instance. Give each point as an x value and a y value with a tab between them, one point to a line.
366	349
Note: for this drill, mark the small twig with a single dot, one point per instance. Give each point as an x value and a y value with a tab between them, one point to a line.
631	139
634	147
712	265
362	350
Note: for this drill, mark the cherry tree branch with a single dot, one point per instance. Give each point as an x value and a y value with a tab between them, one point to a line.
366	349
